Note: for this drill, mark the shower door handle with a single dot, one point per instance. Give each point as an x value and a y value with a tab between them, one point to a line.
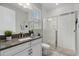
56	43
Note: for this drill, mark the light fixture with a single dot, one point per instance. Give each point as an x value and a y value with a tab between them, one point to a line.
25	5
57	3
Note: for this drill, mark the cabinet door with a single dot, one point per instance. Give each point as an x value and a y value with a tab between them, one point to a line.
37	50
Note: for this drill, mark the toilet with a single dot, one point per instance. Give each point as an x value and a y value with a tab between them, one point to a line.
45	49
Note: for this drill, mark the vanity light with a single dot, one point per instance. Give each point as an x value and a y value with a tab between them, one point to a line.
25	5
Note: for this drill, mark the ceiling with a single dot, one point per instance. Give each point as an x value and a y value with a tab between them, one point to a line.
47	6
50	6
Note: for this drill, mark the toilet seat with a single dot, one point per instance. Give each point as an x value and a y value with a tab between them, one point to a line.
45	45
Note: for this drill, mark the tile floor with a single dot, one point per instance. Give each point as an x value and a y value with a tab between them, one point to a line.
56	53
53	52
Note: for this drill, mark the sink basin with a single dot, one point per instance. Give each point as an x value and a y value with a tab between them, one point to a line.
25	39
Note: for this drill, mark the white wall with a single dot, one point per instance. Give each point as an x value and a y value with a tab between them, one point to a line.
44	22
7	20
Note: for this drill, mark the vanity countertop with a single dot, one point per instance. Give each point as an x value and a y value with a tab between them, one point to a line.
14	42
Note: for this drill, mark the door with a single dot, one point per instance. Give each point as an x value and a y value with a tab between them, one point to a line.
66	31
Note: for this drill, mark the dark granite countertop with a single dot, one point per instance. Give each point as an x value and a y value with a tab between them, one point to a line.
14	42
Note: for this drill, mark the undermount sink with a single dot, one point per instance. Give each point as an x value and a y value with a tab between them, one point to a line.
25	39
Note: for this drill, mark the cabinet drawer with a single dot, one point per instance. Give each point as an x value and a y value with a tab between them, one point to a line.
38	41
15	49
23	53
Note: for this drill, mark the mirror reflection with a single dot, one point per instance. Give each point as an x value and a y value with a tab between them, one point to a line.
20	18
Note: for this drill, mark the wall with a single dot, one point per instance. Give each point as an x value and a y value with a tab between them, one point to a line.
7	20
44	24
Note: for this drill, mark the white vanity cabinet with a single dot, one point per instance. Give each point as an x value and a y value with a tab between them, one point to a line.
35	49
32	48
14	50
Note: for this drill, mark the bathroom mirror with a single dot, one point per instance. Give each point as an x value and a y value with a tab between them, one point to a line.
17	18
